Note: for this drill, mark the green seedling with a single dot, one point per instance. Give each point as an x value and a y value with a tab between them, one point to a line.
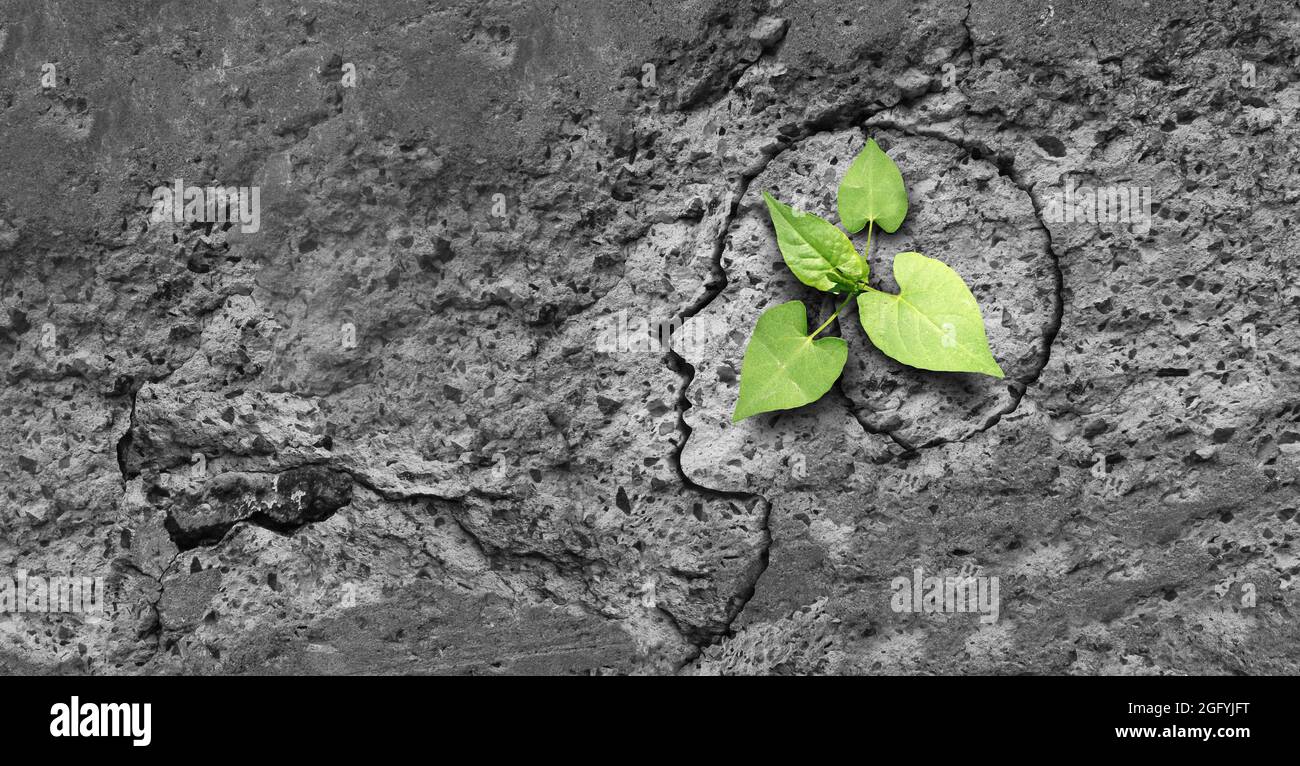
933	323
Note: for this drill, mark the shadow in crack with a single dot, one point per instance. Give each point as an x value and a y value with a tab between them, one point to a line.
282	502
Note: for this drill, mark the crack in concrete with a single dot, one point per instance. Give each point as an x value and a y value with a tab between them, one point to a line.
970	35
837	118
156	627
308	481
686	374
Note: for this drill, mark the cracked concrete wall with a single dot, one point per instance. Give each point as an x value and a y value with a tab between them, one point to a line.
413	423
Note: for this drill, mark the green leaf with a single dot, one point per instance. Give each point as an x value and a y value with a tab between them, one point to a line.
815	249
872	190
784	367
933	323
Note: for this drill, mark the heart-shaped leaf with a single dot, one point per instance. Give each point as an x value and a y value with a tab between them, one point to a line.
784	367
815	249
872	190
934	322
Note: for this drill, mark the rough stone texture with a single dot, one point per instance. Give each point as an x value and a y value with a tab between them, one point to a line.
477	485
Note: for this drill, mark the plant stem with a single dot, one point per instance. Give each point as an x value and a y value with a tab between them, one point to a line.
831	318
865	257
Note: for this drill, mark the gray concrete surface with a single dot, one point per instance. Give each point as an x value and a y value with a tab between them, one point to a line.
385	432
